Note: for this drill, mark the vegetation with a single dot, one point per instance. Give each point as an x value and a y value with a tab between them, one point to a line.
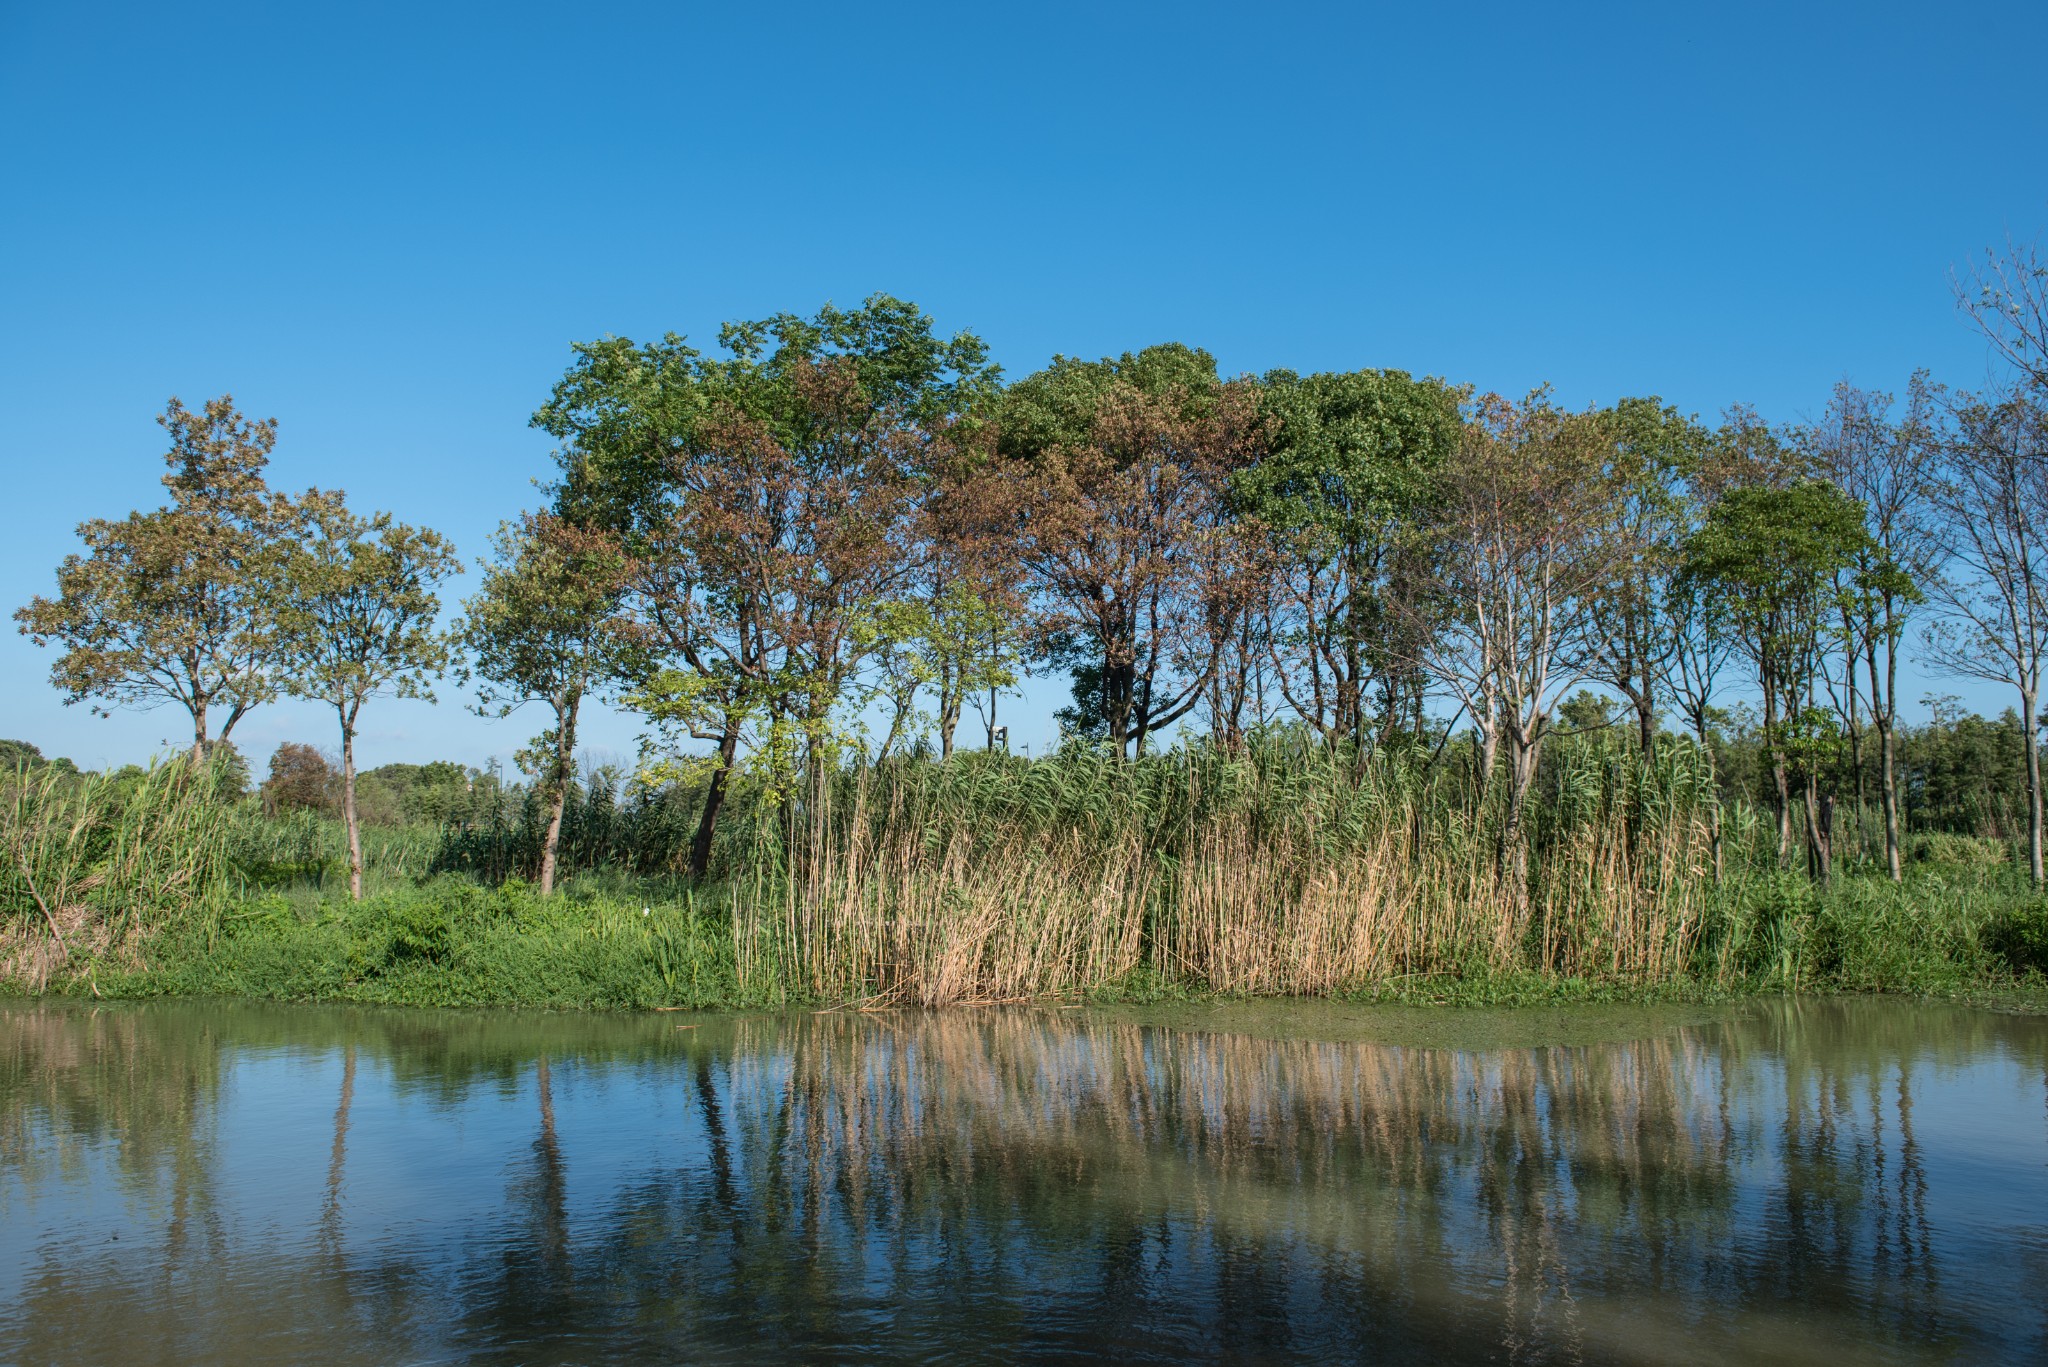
1380	685
1278	868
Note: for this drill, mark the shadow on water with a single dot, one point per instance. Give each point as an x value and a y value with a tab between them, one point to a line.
1792	1181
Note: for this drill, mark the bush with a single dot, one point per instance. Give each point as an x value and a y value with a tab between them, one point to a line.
2019	936
1940	847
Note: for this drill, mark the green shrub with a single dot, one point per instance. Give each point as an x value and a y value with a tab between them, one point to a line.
2019	937
1941	847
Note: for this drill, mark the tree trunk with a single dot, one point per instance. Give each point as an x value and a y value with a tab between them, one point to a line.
1119	689
348	807
1820	832
558	788
1523	755
1488	736
949	719
1888	796
714	798
199	730
2031	729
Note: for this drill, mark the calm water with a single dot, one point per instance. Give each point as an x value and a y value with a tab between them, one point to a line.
1838	1182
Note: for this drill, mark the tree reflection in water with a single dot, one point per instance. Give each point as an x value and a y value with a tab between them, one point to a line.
1794	1181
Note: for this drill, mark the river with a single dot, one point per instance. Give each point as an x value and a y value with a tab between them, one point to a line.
1788	1181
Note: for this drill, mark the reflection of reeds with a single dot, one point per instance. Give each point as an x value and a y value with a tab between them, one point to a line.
1749	1185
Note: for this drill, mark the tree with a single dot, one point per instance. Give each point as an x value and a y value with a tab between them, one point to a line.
1654	452
950	638
1700	645
1522	552
356	620
1768	559
544	627
165	606
1991	503
1882	463
300	780
1353	461
2006	296
1120	473
772	502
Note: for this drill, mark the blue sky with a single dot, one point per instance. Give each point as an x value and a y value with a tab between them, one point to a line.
384	225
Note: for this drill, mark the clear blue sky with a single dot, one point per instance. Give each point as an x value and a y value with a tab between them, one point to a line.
384	225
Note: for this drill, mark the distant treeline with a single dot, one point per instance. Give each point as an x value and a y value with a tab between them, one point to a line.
828	542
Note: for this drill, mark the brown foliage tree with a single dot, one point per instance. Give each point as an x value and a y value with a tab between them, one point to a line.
1120	489
300	780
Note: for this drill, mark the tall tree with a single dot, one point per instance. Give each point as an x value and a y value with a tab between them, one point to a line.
1523	550
1769	559
1883	462
1353	461
1121	471
772	502
1991	500
165	606
357	619
1653	455
544	628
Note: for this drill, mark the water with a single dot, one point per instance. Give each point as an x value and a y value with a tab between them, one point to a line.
1838	1182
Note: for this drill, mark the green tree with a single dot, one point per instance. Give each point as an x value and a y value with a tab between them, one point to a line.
1353	460
544	627
1652	456
772	501
357	619
1771	559
165	606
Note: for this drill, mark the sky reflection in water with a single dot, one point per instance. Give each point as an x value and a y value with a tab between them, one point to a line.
1781	1182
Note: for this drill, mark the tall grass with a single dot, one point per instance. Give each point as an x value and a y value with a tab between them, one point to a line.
1282	868
92	863
1287	868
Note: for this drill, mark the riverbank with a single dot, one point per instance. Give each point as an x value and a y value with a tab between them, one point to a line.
1947	933
1196	875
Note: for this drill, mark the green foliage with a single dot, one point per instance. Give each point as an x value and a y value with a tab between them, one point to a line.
451	942
1770	554
91	864
169	605
1352	453
19	754
2019	937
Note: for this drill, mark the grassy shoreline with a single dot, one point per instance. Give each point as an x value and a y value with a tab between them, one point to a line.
453	943
1279	872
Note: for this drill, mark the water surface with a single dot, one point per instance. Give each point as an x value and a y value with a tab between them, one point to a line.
1795	1182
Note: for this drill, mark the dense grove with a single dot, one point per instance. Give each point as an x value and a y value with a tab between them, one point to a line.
1376	679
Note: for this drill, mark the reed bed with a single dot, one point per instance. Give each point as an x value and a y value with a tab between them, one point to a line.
1284	869
91	864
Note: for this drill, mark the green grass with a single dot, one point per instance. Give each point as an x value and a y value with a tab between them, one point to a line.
1959	934
450	942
